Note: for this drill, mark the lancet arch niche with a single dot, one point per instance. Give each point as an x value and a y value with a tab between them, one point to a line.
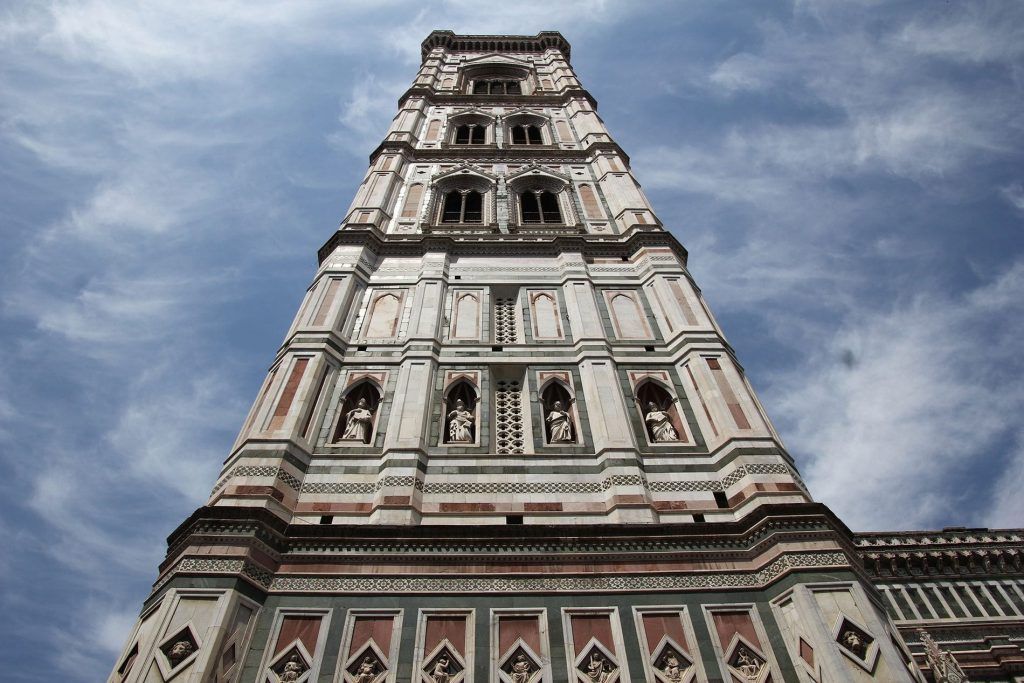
357	419
461	410
561	423
660	414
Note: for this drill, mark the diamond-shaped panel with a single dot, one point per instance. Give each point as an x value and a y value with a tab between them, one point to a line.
180	647
854	639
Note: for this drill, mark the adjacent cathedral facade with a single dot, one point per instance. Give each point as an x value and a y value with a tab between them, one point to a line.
505	441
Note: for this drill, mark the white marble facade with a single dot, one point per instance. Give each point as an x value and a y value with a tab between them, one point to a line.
504	238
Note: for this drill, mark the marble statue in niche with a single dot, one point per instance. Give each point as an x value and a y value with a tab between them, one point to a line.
358	423
367	671
659	424
521	669
559	423
179	652
460	424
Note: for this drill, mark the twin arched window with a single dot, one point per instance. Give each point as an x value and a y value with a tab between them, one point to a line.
539	206
470	134
462	206
526	135
501	87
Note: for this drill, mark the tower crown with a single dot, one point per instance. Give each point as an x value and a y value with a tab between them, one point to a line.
504	44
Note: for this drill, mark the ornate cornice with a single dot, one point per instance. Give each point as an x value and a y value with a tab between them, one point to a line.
937	554
491	153
508	44
617	583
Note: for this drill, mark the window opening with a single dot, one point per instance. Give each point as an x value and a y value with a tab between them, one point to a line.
505	329
508	408
720	499
462	206
540	206
470	134
526	135
497	88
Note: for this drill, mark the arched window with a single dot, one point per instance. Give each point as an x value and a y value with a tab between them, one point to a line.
470	134
540	206
358	414
660	414
460	414
526	135
462	206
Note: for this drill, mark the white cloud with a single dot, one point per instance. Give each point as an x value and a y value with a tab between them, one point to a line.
1014	193
893	410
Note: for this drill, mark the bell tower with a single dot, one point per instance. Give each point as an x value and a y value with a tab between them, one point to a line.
504	438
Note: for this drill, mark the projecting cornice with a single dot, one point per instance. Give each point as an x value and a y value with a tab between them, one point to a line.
492	153
500	244
951	552
557	98
508	44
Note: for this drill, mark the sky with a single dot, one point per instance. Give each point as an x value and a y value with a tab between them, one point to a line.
848	178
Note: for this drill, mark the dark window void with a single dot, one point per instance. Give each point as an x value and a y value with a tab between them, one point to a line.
462	206
720	499
698	518
526	135
470	134
497	88
513	519
327	519
540	207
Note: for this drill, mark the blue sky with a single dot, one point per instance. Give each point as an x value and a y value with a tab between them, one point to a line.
848	178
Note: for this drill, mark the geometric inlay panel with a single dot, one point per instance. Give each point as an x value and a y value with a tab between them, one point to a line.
508	414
